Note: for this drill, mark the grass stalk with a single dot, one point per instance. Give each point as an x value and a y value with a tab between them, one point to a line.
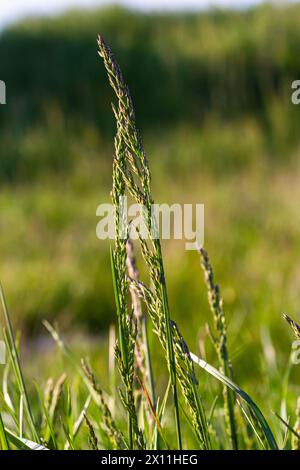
130	160
220	344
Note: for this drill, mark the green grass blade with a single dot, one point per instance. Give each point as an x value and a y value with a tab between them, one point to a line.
288	426
79	421
6	394
253	407
160	414
16	365
23	444
3	436
8	410
49	422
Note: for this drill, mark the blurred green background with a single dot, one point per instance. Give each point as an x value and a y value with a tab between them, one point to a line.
212	92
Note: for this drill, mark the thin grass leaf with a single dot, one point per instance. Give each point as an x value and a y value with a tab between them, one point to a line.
153	412
67	435
285	387
212	410
295	441
23	444
6	394
3	436
288	426
9	411
21	414
249	418
288	429
79	421
160	414
16	365
253	407
50	429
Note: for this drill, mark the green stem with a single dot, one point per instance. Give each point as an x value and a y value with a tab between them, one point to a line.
3	437
148	361
150	372
230	407
170	347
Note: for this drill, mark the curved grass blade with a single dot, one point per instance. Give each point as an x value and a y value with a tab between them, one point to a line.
265	428
23	444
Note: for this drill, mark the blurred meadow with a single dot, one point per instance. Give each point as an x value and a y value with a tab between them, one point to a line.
212	93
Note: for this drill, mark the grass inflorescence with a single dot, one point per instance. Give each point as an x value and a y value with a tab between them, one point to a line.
141	415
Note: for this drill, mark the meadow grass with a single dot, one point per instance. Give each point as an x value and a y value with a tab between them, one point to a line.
220	129
82	413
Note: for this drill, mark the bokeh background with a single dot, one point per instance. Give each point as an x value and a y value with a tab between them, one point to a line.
212	90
